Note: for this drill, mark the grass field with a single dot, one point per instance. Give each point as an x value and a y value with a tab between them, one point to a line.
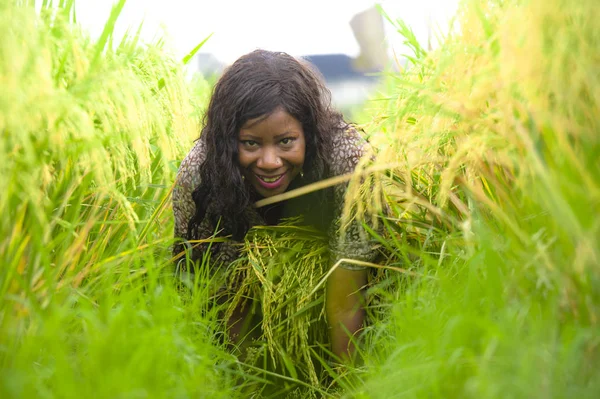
487	159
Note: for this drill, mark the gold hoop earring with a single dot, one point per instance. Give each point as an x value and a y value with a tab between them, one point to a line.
302	174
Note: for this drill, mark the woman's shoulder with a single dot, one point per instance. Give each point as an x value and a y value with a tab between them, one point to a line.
189	170
348	147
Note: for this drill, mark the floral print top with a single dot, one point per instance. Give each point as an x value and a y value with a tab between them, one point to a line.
354	243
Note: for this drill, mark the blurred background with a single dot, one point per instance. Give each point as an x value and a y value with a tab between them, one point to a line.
349	41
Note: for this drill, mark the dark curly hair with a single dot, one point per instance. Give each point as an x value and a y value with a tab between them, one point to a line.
252	87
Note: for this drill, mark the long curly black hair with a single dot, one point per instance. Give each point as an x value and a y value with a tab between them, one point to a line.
254	86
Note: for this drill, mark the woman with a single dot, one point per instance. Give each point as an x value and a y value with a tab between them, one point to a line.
270	128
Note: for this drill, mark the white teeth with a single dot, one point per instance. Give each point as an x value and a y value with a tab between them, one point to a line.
269	179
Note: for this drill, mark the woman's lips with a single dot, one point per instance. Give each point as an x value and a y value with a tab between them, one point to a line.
270	182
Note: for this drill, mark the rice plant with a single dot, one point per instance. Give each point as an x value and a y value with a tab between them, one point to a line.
92	131
483	185
491	152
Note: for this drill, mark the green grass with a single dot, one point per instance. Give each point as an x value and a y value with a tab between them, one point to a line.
92	132
486	164
493	145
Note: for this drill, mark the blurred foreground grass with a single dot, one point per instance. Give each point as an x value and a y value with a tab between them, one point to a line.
492	143
487	161
91	132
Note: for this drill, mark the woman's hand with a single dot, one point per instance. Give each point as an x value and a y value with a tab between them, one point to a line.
344	308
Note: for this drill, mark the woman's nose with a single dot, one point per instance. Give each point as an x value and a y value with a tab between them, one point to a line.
269	159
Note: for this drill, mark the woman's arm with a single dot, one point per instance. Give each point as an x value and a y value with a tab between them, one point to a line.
344	306
344	291
222	253
188	178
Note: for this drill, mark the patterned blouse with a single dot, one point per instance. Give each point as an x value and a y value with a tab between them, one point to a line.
348	148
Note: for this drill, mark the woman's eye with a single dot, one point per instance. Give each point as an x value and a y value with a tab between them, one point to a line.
249	143
287	140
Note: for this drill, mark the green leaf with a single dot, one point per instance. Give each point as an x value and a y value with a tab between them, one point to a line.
191	54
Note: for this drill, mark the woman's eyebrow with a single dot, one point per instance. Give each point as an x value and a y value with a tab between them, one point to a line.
287	133
248	136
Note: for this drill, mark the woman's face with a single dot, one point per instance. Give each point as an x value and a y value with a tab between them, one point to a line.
271	152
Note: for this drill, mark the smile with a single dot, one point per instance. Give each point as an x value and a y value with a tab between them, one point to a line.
270	179
270	182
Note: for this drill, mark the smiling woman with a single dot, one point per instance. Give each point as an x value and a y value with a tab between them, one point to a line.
271	152
270	128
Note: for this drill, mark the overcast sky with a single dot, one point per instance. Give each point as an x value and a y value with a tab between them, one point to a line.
298	27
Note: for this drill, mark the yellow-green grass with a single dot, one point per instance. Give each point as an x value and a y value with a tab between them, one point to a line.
92	132
486	168
494	184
